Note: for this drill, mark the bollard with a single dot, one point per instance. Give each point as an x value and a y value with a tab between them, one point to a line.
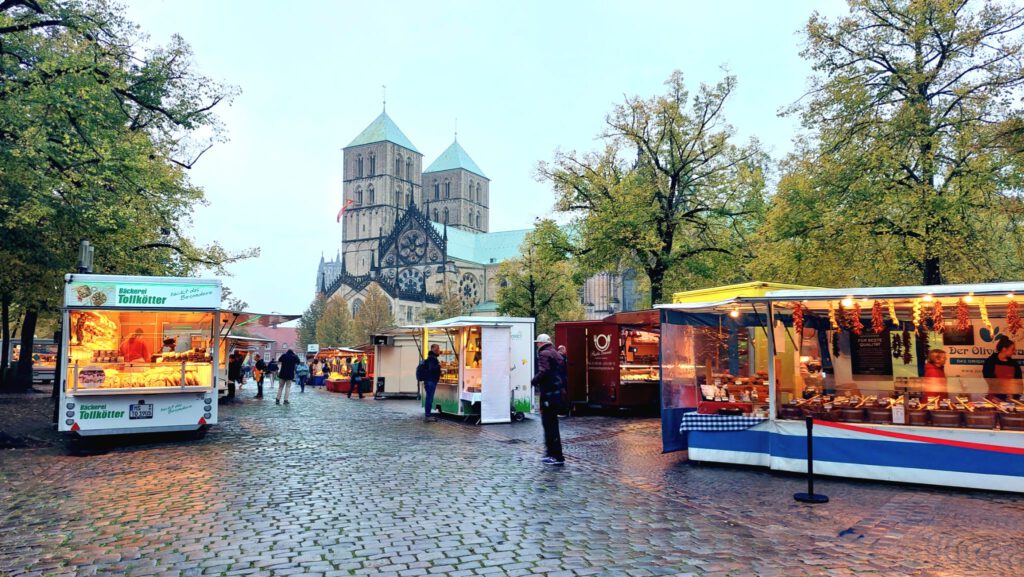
810	496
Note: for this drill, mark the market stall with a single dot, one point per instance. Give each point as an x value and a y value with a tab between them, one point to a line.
139	354
917	384
238	344
613	362
339	363
486	366
398	352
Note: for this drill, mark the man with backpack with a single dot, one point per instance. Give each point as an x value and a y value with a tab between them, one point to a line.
429	372
272	369
356	378
550	368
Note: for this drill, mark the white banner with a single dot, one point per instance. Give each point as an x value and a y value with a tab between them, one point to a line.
83	292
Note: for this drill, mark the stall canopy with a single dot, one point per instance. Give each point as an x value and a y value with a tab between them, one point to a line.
233	320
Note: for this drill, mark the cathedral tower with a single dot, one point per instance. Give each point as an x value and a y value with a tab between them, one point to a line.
381	177
456	191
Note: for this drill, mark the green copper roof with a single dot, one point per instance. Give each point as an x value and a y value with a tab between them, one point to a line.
383	129
483	248
453	158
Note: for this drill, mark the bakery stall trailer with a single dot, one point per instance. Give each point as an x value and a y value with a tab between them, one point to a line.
140	354
487	364
915	384
398	352
613	362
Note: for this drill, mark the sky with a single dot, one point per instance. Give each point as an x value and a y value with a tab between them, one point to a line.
520	80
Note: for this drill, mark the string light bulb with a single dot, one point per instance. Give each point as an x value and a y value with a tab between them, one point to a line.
969	298
847	302
734	313
928	298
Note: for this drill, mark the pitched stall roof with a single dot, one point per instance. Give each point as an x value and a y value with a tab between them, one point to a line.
483	247
383	129
453	158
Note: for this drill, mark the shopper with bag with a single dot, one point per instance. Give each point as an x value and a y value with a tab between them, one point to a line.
548	381
429	371
258	372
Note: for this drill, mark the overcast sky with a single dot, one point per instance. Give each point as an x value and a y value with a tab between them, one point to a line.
523	79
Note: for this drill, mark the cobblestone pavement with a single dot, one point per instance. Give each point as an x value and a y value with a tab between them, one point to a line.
329	486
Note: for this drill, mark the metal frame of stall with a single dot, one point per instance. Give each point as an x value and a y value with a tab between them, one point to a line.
952	457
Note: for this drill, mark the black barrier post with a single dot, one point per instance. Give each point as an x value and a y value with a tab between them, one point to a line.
810	496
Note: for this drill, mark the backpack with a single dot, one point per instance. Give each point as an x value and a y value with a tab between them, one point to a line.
421	370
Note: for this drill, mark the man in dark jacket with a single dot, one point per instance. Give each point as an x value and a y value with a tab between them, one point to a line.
432	374
548	380
288	362
234	375
355	377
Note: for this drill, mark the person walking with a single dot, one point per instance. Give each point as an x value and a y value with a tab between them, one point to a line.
566	404
272	369
258	372
288	362
356	378
302	375
431	375
548	380
234	375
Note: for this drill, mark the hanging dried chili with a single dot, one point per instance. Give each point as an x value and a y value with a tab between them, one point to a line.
798	318
877	320
963	317
938	323
907	351
856	326
832	316
897	345
1013	321
835	343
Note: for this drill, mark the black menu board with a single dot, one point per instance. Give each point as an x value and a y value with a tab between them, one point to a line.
871	353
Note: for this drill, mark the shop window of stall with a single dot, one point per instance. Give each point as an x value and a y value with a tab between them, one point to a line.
126	349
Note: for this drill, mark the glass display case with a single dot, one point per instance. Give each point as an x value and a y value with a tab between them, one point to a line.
110	350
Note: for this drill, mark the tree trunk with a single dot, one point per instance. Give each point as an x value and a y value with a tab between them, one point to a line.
657	276
5	329
23	376
932	272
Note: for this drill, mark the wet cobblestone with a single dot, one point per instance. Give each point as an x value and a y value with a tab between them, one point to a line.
330	486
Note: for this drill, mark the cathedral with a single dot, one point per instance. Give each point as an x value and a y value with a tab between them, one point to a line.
422	233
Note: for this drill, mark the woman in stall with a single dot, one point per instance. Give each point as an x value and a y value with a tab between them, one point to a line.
934	383
1001	371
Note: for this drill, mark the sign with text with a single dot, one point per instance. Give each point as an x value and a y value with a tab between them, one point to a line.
871	354
153	294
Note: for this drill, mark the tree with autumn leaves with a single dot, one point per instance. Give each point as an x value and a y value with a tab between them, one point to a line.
97	134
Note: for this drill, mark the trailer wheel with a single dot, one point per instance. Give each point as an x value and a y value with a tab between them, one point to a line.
518	417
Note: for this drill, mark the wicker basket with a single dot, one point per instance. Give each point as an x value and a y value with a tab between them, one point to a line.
917	417
880	416
946	418
1012	421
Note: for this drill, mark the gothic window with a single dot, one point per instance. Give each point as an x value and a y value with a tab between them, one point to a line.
469	195
408	197
398	166
437	191
356	305
408	169
446	215
478	193
478	220
373	165
359	195
359	166
373	199
447	189
435	215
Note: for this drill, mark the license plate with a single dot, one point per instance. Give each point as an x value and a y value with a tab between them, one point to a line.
140	411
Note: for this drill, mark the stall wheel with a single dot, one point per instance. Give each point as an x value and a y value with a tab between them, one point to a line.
518	416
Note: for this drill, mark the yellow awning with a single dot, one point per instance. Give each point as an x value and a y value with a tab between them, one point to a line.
742	290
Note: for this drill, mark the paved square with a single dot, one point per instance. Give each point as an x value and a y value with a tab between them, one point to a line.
330	486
